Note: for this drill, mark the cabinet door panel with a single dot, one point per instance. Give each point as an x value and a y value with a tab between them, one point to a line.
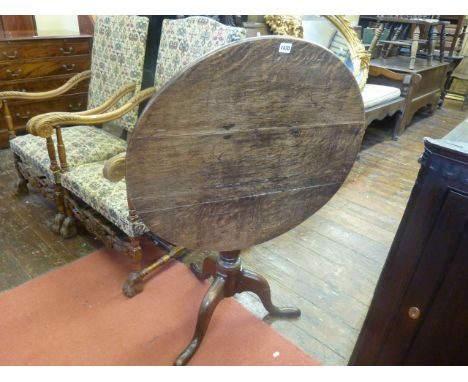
439	255
443	336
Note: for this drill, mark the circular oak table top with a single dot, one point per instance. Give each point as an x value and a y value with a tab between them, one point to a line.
244	144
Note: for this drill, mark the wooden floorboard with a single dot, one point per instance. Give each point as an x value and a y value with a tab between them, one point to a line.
328	266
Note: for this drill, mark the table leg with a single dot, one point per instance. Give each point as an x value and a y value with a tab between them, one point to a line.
229	279
414	47
431	40
442	43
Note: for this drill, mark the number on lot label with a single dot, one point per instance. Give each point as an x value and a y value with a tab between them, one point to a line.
285	47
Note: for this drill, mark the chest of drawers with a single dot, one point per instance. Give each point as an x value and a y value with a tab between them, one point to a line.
35	64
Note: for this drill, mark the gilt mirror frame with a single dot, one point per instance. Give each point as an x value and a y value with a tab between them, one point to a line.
360	58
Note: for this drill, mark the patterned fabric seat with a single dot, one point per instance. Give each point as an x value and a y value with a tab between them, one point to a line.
85	144
106	197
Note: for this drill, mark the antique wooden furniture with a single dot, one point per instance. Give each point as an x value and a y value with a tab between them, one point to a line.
457	86
258	148
401	27
95	193
461	88
454	32
385	93
427	91
29	63
419	313
116	70
17	23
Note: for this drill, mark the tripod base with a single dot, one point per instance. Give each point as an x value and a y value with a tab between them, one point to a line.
229	279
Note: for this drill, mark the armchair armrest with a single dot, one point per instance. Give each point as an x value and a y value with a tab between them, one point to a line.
44	126
383	76
121	92
124	90
48	94
114	168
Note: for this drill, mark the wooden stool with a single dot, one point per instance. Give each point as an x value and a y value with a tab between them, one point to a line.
239	148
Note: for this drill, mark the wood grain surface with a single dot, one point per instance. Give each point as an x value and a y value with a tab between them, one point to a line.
244	144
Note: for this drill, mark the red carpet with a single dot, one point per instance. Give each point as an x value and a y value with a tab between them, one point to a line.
77	315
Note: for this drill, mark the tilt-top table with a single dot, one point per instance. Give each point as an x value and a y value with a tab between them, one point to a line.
240	147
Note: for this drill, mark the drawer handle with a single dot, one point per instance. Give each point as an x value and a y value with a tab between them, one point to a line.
10	56
76	107
69	67
67	52
25	116
414	312
14	74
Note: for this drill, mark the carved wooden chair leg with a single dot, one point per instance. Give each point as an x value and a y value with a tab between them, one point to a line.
58	190
207	270
212	297
399	125
137	254
60	215
68	228
21	186
252	282
134	283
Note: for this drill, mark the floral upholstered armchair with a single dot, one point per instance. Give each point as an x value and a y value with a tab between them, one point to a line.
116	72
95	193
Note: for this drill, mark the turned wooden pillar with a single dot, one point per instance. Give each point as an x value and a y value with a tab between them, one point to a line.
8	120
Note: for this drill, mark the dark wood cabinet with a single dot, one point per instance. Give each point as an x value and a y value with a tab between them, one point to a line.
34	64
419	313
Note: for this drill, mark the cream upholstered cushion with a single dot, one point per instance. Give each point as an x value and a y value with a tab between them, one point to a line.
83	144
374	95
106	197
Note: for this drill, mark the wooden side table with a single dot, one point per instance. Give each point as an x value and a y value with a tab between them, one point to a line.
268	135
425	93
396	38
